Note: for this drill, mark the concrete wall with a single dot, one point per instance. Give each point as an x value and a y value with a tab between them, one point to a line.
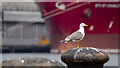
29	35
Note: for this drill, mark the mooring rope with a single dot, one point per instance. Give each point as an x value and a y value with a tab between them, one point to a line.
74	7
58	9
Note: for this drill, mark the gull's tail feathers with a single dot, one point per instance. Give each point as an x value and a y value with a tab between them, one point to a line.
64	41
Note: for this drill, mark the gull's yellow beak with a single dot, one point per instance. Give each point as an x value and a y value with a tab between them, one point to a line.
86	25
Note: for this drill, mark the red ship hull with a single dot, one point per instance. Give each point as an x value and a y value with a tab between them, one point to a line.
102	31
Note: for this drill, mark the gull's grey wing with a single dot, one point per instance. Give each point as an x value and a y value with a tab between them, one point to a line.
75	36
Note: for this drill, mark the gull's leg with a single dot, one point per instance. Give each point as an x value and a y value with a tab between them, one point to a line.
75	44
78	44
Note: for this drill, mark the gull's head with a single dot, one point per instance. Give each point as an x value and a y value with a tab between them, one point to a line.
83	24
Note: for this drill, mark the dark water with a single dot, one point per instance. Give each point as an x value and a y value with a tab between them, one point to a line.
114	58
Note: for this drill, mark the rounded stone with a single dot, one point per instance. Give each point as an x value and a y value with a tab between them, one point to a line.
85	55
44	62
